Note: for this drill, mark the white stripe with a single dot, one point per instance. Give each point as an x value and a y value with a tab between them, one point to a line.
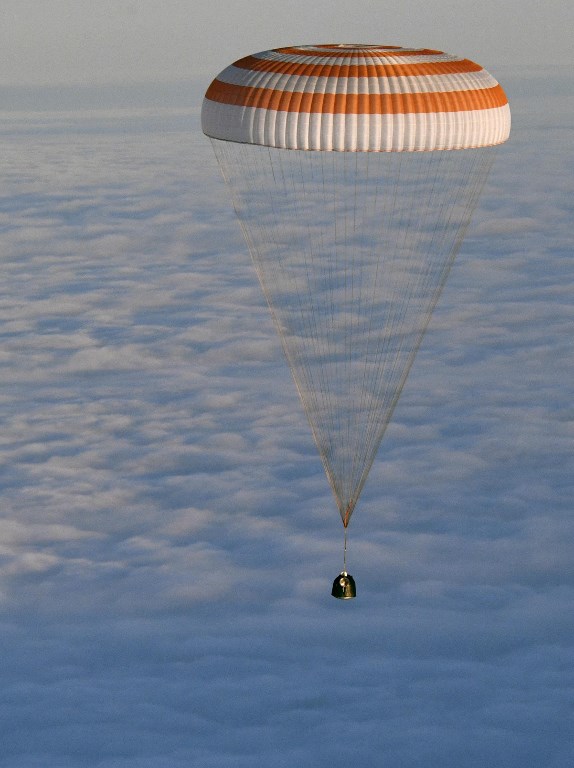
356	133
462	81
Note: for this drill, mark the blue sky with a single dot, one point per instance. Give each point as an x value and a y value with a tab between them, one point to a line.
167	535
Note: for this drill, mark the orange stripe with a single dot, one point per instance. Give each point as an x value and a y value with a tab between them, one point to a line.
374	51
376	69
356	104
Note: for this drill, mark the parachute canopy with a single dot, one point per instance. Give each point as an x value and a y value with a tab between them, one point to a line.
353	238
356	98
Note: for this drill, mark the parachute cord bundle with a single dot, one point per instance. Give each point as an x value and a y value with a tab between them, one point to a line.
352	251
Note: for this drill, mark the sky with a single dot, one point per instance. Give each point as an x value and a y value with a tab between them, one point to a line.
168	538
80	42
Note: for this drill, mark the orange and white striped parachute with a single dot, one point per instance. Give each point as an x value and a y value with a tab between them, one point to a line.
353	235
356	98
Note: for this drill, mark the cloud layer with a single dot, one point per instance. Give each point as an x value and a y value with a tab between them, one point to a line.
167	535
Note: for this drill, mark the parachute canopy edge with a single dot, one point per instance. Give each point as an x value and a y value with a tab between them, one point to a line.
356	98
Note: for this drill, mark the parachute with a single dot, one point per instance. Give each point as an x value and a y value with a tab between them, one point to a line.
354	171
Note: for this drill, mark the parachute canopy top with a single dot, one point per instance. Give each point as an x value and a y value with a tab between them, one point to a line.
356	98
